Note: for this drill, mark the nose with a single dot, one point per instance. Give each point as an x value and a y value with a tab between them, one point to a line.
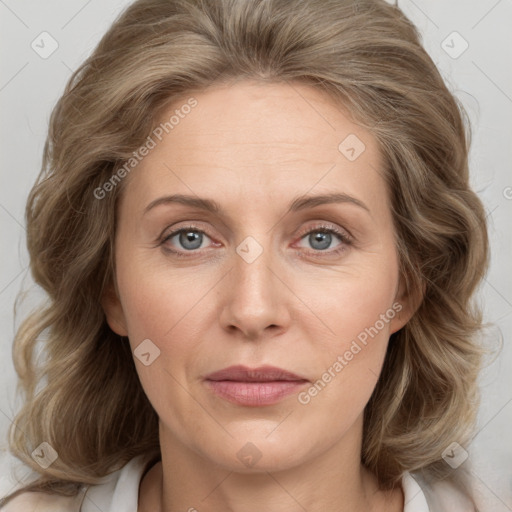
255	298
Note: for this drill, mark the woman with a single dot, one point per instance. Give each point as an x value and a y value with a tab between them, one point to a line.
255	228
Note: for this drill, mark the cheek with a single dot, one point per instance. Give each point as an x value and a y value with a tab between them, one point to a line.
157	308
153	298
359	311
348	363
356	302
168	308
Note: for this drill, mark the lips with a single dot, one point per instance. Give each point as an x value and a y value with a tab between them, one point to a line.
241	373
254	387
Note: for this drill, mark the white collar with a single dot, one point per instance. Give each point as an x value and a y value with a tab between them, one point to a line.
120	491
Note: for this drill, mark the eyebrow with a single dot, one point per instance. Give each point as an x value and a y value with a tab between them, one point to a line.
298	204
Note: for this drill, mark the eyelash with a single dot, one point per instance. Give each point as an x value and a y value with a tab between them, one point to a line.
344	239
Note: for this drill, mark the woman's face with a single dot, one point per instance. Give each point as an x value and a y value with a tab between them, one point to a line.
272	276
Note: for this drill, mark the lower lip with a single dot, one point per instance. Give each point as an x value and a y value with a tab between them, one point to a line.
255	394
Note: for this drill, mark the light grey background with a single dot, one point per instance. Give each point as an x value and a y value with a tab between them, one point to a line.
481	76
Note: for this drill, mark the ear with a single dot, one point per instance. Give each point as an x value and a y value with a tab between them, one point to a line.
406	304
114	311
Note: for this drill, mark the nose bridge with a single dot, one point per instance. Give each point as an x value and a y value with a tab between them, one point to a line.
255	297
252	276
252	269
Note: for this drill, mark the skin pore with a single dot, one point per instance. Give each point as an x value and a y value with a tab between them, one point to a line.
254	148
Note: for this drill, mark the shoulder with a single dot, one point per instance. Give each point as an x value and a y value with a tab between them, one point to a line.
42	502
444	495
116	491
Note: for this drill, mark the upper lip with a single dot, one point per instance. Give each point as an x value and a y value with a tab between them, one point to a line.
242	373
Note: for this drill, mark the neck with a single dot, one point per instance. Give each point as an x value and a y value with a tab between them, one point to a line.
334	480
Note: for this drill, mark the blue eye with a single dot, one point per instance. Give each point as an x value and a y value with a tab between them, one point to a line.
320	238
189	238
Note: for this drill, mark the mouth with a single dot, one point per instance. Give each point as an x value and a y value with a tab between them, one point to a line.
254	387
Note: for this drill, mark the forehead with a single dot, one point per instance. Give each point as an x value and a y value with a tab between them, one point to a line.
283	115
257	136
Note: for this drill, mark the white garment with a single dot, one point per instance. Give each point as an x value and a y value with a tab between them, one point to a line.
119	492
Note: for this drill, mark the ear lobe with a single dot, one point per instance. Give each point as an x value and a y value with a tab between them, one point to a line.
114	311
409	301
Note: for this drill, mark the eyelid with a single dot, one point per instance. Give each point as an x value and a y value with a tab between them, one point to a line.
175	229
179	253
342	232
346	239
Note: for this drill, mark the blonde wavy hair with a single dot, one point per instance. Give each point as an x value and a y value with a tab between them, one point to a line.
84	398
